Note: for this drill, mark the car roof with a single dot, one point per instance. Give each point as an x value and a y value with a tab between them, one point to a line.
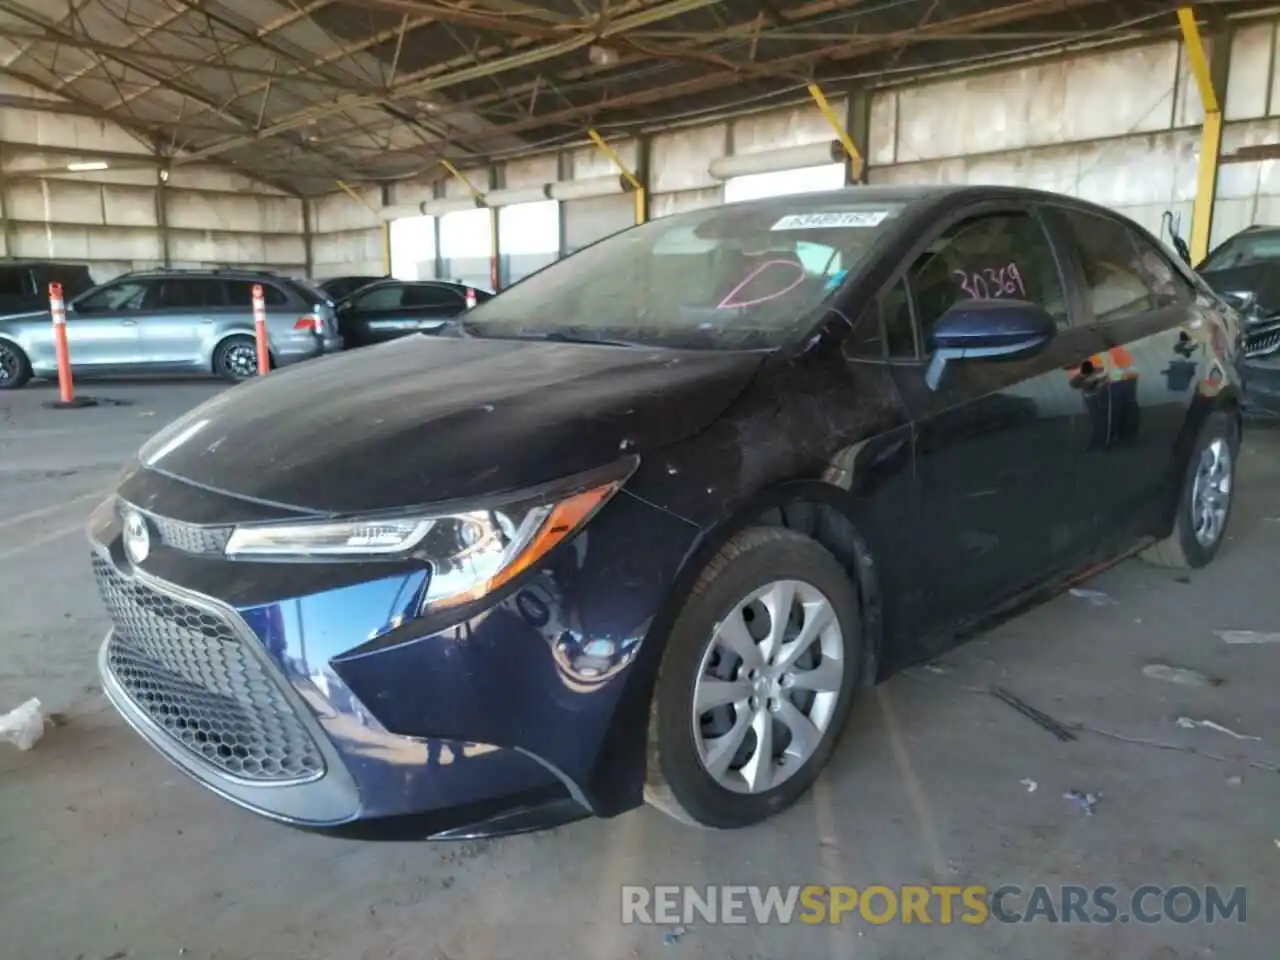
228	273
43	263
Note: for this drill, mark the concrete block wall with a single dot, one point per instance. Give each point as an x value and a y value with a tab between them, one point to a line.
128	217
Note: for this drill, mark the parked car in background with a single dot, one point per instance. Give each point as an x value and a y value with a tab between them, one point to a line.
648	526
1245	270
172	321
338	288
392	308
24	284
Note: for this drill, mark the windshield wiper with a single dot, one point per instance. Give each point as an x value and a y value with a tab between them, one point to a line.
567	335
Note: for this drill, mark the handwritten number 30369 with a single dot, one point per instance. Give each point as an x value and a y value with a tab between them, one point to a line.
992	283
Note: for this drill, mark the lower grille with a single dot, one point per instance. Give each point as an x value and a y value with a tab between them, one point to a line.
188	669
1260	344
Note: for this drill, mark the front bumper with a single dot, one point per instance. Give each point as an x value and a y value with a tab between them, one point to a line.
326	709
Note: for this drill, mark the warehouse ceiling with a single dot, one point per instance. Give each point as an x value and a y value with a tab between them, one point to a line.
306	93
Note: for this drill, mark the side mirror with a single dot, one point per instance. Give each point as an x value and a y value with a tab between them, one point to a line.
988	329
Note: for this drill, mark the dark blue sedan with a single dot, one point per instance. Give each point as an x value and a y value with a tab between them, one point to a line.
650	520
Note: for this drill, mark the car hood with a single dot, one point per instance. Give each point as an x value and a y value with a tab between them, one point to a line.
1261	280
425	419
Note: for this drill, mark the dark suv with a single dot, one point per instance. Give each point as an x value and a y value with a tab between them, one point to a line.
173	321
24	284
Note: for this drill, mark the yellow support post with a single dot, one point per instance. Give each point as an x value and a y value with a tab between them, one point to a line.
1210	136
855	158
636	186
462	178
386	249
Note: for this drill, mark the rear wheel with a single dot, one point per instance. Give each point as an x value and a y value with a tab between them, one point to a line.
15	368
236	359
1204	504
756	681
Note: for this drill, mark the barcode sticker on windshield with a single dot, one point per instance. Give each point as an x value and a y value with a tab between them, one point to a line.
838	220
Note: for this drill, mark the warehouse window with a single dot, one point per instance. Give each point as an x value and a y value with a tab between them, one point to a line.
781	183
529	238
413	248
466	246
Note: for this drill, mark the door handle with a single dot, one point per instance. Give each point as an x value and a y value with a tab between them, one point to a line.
206	319
128	323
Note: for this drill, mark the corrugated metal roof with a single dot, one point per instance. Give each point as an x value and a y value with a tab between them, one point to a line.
307	92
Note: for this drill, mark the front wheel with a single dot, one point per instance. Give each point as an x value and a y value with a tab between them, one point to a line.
15	369
756	681
236	359
1204	503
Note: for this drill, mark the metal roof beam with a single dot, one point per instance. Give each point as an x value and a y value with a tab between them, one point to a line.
614	27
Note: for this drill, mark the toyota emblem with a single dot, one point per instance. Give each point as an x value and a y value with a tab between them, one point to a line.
137	539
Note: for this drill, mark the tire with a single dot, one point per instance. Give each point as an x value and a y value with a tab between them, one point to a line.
1210	473
679	780
15	368
229	359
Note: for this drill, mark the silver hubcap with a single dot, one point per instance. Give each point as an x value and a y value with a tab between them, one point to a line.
8	364
242	360
1211	492
767	686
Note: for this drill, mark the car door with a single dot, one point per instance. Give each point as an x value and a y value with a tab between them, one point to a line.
376	314
174	328
1152	321
433	305
999	441
102	325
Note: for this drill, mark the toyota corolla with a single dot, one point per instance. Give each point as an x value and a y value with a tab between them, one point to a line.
649	521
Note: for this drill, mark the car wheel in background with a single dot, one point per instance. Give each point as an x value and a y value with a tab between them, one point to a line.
755	683
15	369
1204	503
236	359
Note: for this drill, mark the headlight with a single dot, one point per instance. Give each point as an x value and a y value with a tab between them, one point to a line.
471	552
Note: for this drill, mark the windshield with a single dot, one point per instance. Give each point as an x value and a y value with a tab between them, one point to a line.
731	277
1244	250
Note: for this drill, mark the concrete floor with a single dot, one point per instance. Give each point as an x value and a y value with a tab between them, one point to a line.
107	852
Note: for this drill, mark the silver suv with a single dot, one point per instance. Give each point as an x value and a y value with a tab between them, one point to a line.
159	321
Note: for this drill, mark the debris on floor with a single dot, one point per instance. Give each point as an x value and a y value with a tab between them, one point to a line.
1182	675
1234	781
1095	597
1087	802
1029	784
672	937
1188	724
936	668
1250	637
1031	713
23	725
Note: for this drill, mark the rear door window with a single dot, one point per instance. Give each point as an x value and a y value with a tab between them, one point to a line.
1115	281
190	293
433	297
387	296
240	294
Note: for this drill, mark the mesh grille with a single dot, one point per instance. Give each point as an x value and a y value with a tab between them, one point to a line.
190	672
191	538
